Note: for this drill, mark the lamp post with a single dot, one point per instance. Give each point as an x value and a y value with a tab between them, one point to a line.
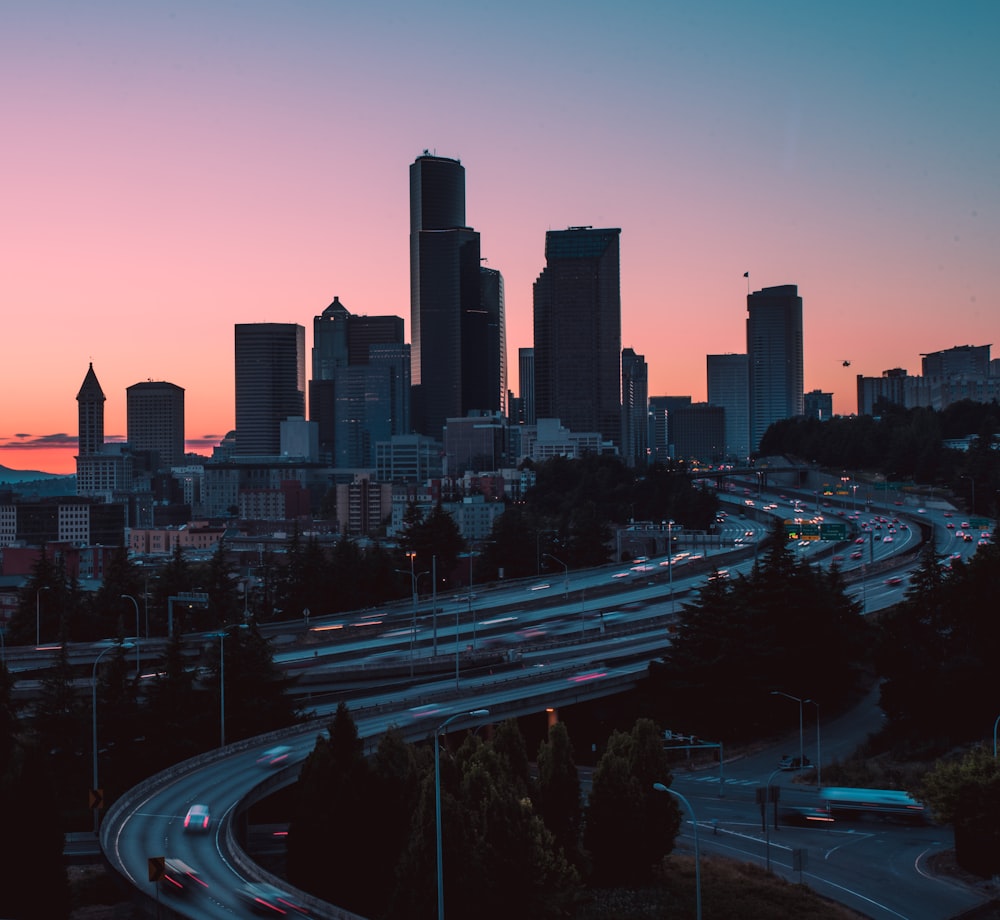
93	687
474	714
767	832
38	614
659	787
221	635
472	613
413	587
788	696
670	561
819	750
135	603
565	573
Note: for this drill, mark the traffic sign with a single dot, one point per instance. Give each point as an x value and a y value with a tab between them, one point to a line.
156	867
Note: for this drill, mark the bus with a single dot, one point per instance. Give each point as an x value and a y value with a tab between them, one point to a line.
843	801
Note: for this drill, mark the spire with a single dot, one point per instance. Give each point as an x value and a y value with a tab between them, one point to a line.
336	308
91	388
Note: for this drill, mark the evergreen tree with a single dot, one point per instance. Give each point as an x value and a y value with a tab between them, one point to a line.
629	827
559	800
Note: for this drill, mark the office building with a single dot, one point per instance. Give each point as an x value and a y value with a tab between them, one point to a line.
727	387
635	410
577	331
698	433
774	358
817	404
270	384
90	415
458	350
155	421
660	434
526	384
360	387
969	361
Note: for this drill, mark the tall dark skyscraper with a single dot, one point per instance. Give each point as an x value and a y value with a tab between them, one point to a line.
577	318
456	309
360	387
727	387
270	384
90	415
635	409
774	357
155	411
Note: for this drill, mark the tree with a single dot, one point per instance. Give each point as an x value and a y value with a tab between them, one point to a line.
559	802
629	826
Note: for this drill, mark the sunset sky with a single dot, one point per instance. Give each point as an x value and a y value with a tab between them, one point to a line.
170	169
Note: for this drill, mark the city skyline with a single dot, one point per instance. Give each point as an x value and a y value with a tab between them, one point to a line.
174	172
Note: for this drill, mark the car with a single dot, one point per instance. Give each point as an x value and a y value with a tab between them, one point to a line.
950	526
275	756
179	878
894	581
838	558
965	525
947	514
268	899
857	554
887	539
859	541
794	763
197	819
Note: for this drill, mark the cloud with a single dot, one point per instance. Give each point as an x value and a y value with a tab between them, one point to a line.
24	441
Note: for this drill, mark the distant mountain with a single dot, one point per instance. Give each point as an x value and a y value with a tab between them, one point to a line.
8	476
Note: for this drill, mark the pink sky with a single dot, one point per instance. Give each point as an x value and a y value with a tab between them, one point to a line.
172	169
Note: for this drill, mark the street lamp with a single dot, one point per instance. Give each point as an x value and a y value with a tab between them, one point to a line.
565	573
819	750
413	587
659	787
93	686
138	666
472	613
474	714
788	696
670	561
221	636
38	614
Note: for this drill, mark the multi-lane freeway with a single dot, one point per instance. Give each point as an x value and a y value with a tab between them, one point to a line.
566	637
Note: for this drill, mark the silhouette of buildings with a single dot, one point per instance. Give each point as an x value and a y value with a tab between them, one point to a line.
360	388
577	331
457	321
635	411
774	357
727	387
155	421
270	384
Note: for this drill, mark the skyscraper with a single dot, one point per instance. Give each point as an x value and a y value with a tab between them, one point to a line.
635	409
526	383
774	357
155	420
727	387
360	387
456	310
90	415
270	384
577	326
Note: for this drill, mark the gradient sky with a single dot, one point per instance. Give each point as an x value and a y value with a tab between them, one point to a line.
172	168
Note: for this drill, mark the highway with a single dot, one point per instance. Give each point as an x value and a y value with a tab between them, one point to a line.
570	641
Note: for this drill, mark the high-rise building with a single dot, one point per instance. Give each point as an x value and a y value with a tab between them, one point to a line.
526	383
155	420
456	309
661	439
818	405
727	387
577	329
90	415
270	384
360	387
774	357
635	409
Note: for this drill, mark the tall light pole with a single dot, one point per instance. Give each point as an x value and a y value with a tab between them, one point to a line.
93	687
138	666
38	614
565	573
472	613
659	787
221	635
788	696
819	750
670	561
413	587
474	714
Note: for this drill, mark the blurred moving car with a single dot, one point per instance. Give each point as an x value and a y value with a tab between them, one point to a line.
197	818
269	900
794	763
179	878
275	756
